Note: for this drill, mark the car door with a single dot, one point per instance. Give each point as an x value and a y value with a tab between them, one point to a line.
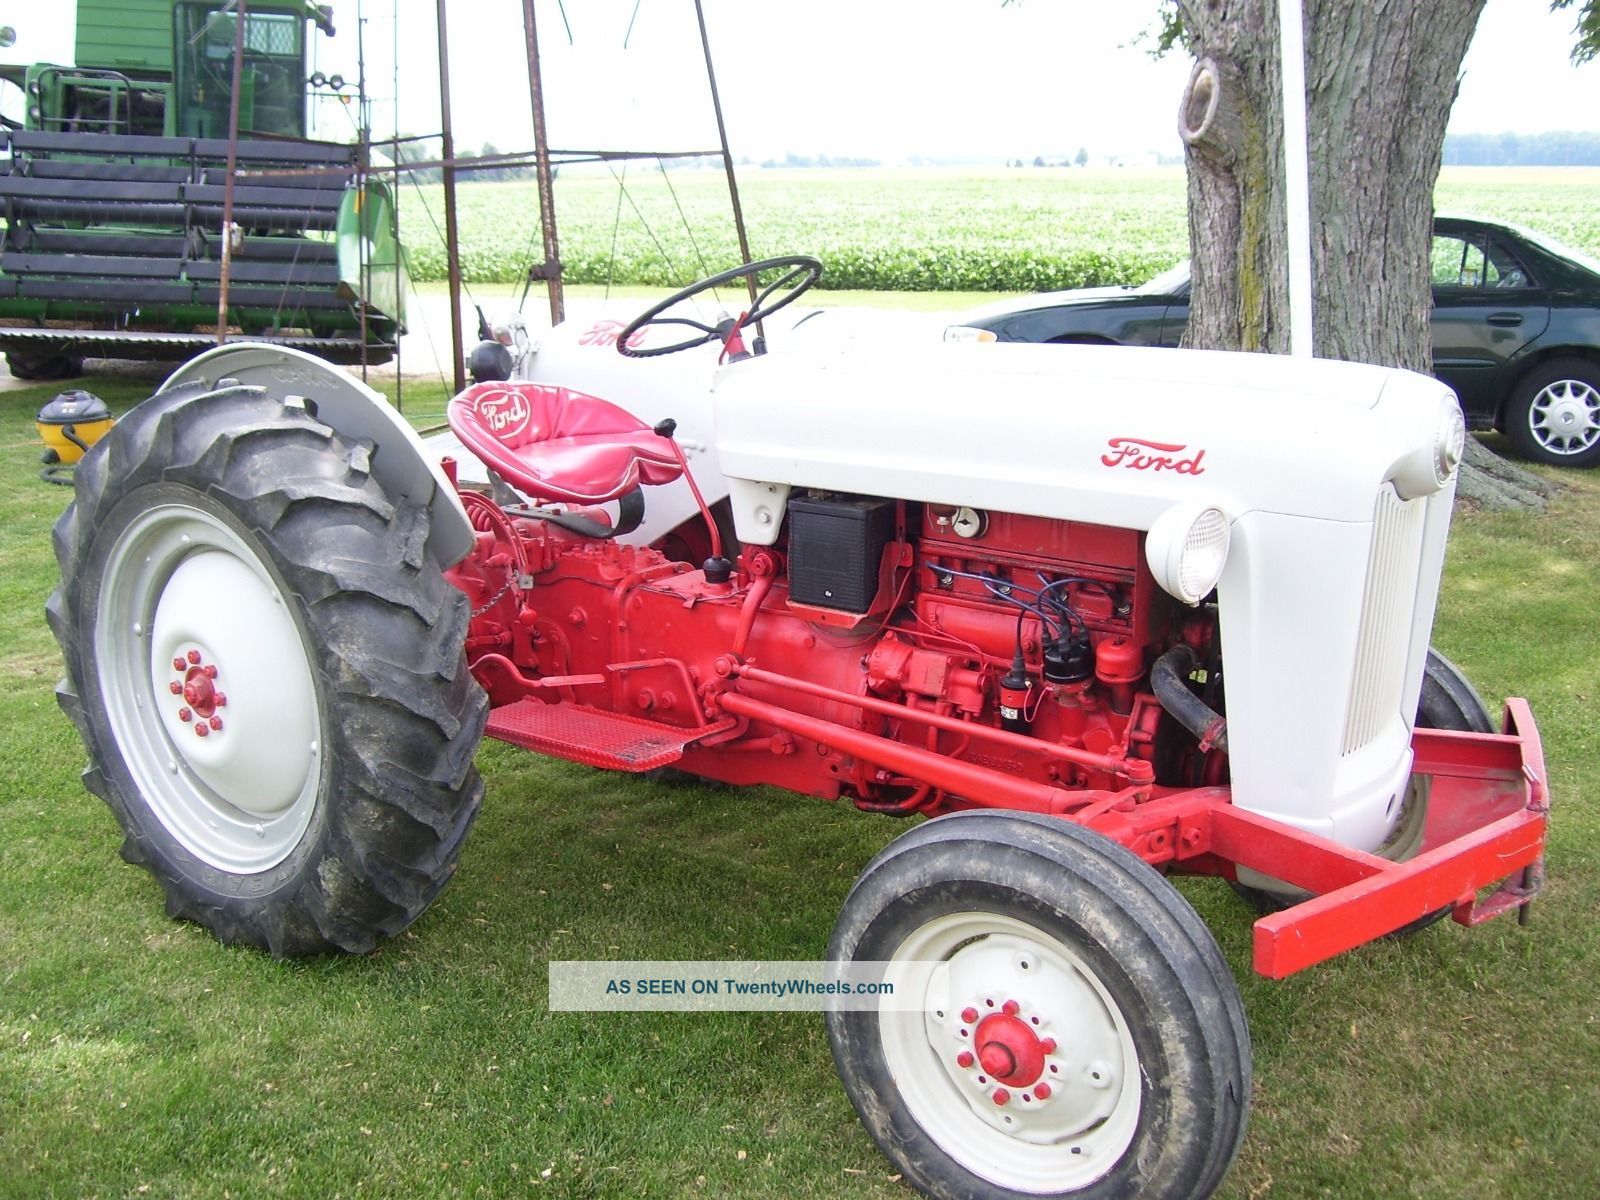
1487	305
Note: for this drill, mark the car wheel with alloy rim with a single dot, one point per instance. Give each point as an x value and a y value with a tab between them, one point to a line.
1554	414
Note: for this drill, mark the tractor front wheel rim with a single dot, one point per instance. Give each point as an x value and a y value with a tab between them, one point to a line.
1021	1066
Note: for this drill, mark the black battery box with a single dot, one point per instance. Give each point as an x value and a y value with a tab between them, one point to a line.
835	546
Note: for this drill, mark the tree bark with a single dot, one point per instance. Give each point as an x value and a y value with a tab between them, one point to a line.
1231	122
1381	77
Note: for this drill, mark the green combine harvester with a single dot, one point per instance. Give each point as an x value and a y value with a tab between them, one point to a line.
115	141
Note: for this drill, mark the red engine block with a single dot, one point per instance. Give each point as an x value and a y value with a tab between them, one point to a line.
561	619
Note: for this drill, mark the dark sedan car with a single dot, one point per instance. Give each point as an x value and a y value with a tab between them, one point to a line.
1516	331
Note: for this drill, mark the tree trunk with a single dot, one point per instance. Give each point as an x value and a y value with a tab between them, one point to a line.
1232	123
1380	79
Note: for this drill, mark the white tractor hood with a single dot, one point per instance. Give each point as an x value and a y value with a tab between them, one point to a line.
1107	434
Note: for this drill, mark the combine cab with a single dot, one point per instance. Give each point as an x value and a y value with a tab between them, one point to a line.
115	181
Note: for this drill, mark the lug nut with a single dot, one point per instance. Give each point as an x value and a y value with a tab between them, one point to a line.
1042	1091
178	664
1048	1045
969	1015
215	723
1001	1096
175	688
194	657
184	714
202	730
1011	1008
209	671
220	699
964	1059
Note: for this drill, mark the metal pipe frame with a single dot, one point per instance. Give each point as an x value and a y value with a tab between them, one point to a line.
452	242
1489	796
241	15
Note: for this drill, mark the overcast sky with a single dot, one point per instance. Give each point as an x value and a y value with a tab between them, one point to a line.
873	78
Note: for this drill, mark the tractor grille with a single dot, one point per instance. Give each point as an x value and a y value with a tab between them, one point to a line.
1386	617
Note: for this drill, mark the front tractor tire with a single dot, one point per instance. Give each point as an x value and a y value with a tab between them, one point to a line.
267	668
1073	1031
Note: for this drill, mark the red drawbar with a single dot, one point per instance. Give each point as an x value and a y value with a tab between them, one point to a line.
552	443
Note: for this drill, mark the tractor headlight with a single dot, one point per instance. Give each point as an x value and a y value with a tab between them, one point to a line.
1187	548
1426	470
1450	442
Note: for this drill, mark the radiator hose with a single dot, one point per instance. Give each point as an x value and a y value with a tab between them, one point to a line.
1169	679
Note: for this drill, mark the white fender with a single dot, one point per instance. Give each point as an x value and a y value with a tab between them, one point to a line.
401	464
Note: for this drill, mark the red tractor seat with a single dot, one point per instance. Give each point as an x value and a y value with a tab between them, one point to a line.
552	443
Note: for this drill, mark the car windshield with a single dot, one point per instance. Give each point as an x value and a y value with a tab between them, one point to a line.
1169	281
1545	242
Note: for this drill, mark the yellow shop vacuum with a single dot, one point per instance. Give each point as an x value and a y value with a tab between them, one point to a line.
69	425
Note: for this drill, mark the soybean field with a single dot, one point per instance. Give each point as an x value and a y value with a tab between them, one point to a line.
925	229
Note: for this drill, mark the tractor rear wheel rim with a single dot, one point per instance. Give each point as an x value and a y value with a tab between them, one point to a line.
188	612
1004	994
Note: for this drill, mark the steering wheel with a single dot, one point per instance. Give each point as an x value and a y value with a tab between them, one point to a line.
801	267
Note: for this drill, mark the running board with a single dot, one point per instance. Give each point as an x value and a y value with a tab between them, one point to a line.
594	737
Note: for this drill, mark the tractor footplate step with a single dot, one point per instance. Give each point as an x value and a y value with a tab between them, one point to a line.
591	736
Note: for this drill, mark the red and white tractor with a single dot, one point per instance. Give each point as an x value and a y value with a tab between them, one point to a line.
1105	615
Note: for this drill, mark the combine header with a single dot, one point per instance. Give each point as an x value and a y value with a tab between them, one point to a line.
115	191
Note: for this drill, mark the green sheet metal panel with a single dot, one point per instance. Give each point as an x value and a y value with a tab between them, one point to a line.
125	35
368	224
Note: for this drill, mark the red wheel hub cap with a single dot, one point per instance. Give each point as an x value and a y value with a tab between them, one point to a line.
200	692
1008	1050
196	686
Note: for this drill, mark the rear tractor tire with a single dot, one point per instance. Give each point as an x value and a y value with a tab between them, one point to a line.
1063	1023
267	667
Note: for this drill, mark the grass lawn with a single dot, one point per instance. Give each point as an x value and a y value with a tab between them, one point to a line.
139	1057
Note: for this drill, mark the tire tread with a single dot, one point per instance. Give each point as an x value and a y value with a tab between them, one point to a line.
403	715
1055	848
